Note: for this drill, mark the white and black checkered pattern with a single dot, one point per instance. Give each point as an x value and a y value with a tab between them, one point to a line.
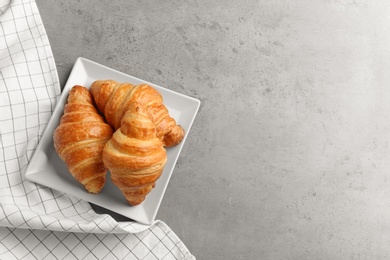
37	222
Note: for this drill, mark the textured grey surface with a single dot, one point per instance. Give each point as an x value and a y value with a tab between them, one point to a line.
289	155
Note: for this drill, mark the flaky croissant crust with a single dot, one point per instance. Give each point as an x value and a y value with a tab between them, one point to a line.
134	155
80	138
113	99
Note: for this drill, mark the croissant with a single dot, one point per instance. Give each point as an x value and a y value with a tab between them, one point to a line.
135	155
80	138
113	99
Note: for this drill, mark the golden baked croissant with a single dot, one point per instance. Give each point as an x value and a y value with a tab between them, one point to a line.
113	99
134	155
80	138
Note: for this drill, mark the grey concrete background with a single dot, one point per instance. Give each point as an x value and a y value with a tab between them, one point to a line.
289	155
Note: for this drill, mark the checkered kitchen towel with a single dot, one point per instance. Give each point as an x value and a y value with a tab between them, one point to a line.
35	221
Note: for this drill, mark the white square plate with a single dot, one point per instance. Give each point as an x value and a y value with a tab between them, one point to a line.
48	169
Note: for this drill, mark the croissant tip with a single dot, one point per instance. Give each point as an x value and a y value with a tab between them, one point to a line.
135	202
96	186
